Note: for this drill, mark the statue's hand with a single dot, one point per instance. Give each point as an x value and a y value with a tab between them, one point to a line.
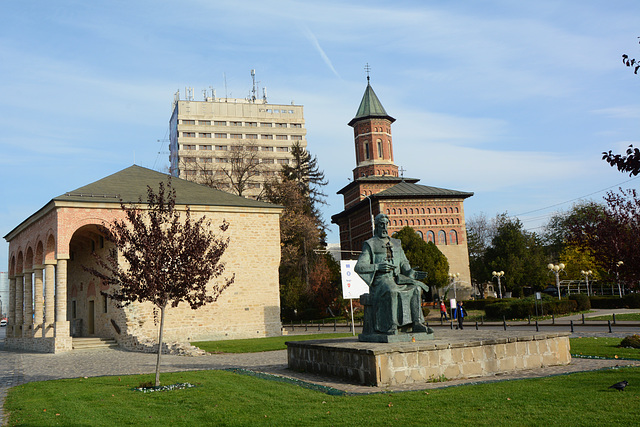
385	267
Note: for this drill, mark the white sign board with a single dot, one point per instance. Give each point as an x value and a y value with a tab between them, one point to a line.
352	285
452	303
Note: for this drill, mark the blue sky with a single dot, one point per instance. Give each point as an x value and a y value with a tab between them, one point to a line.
514	101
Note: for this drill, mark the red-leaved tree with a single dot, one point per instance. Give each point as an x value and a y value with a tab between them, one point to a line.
168	258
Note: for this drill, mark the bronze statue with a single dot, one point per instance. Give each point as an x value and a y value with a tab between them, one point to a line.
393	306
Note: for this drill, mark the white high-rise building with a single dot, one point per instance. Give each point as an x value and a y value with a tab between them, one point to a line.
233	144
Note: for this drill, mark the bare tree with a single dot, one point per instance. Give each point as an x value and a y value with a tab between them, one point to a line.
168	258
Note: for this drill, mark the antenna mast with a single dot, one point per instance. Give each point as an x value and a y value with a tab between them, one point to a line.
253	91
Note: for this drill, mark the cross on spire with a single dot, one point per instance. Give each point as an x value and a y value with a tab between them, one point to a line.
402	171
367	69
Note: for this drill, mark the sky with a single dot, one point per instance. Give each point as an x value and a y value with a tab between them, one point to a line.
513	101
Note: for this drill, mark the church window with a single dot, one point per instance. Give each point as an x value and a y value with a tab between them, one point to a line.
458	220
395	222
366	150
440	220
394	211
411	211
419	233
442	237
453	237
423	210
424	222
380	149
405	211
388	211
431	237
413	222
440	209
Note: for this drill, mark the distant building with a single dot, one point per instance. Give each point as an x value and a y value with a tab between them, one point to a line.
52	298
218	141
436	214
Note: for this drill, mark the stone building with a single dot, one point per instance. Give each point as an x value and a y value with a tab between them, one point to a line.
436	214
51	297
248	139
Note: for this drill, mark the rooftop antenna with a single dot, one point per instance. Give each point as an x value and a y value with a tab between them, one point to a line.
253	91
226	93
204	94
264	94
367	69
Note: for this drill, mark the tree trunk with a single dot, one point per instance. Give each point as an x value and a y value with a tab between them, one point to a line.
162	310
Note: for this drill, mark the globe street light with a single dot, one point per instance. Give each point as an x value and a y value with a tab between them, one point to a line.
498	275
586	275
556	269
453	277
618	264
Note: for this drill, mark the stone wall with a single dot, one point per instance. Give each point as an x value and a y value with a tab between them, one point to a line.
405	363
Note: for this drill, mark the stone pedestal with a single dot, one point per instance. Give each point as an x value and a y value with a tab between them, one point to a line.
390	364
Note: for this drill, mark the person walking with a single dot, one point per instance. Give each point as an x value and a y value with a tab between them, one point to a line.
459	313
443	311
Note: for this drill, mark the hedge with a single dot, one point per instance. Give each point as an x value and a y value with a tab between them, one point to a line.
522	308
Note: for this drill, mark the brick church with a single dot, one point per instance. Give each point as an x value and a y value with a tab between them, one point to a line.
436	214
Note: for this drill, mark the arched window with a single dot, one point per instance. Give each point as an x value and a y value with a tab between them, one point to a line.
458	220
379	142
411	211
424	222
413	222
442	237
394	211
453	237
405	211
388	211
439	208
457	210
400	223
366	151
431	237
419	233
394	222
423	211
428	210
440	220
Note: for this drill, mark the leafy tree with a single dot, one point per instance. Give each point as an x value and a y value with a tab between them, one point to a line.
519	254
169	258
325	281
629	163
424	256
480	232
302	231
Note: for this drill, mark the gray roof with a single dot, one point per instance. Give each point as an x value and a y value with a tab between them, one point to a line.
370	106
408	189
130	185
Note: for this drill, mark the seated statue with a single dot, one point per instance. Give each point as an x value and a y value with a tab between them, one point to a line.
395	295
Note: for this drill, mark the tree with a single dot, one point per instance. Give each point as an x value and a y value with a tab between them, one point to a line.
424	256
480	232
518	253
629	163
305	172
168	258
241	169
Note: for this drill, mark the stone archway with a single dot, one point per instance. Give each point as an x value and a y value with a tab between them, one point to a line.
88	309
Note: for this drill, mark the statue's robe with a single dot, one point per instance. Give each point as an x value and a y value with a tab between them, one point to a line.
395	296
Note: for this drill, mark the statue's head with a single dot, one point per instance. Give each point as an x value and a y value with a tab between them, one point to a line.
381	224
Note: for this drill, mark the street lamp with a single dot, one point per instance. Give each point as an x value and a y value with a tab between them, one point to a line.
370	212
453	277
556	269
498	275
586	275
618	264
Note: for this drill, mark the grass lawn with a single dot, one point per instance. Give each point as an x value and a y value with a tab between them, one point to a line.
255	345
621	316
603	347
226	398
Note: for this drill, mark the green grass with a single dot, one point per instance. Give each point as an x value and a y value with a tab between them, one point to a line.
256	345
602	347
225	398
621	316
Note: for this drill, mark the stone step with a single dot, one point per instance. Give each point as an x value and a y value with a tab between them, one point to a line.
92	343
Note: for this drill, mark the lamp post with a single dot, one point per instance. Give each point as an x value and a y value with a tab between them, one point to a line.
453	277
498	275
618	264
556	269
370	212
586	275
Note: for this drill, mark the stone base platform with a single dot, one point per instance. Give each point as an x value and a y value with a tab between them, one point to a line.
392	364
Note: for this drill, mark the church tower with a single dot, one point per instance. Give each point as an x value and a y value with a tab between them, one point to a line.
372	135
435	214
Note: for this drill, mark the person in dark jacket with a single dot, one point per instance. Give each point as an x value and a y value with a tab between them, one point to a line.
459	313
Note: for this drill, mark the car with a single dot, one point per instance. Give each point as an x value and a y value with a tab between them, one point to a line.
3	322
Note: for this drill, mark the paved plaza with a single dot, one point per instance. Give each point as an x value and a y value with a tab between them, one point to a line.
22	367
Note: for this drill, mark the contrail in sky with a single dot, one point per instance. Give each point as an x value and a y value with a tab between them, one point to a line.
324	56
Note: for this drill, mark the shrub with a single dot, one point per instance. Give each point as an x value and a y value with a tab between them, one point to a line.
632	341
607	302
582	300
632	300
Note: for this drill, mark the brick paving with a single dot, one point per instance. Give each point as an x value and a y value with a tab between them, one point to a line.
20	367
